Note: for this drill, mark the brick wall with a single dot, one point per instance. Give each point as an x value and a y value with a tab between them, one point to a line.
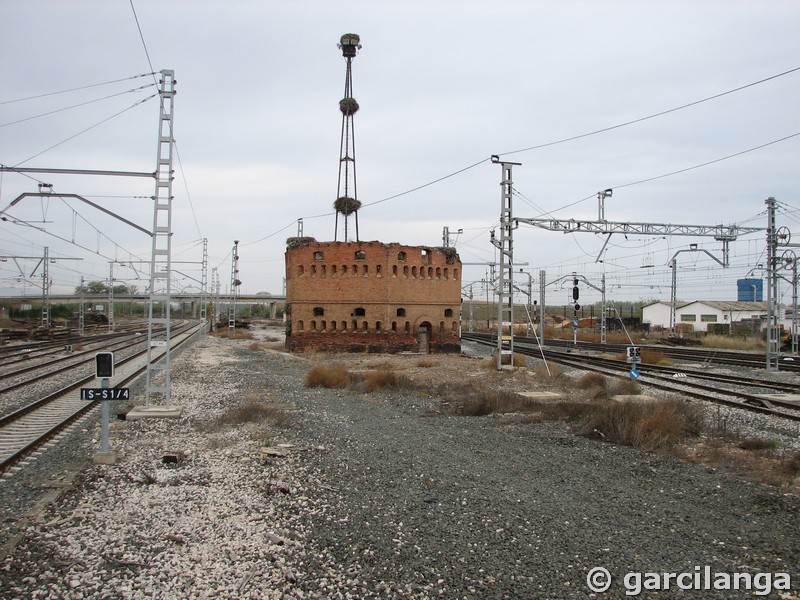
371	296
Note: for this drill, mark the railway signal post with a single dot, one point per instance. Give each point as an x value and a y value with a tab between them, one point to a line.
104	371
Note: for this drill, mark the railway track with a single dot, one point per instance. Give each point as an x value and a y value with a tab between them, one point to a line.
30	427
745	392
706	356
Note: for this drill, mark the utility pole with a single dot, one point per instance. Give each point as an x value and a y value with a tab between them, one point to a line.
773	331
110	296
81	311
505	245
157	384
234	290
204	286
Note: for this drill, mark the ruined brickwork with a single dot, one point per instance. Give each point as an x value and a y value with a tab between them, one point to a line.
370	296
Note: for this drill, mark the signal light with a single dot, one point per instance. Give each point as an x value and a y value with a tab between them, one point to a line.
577	307
104	364
575	293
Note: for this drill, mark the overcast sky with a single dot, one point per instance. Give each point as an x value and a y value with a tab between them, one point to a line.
442	86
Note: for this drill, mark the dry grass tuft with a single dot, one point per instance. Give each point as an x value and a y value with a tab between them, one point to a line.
758	444
264	346
255	412
650	427
593	380
727	342
653	357
383	379
239	334
426	363
328	376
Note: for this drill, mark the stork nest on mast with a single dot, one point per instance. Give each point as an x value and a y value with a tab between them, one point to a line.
348	106
346	205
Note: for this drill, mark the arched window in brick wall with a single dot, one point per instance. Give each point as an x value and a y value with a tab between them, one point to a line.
359	312
319	311
299	326
448	312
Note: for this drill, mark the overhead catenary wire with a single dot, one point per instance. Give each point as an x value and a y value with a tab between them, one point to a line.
654	115
58	110
75	89
64	141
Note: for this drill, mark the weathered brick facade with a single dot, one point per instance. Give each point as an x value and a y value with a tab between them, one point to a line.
357	296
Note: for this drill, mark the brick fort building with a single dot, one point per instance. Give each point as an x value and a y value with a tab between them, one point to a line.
371	296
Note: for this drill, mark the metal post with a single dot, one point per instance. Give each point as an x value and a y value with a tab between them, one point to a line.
46	289
773	337
603	329
105	447
234	290
110	296
81	310
204	286
542	285
161	254
505	245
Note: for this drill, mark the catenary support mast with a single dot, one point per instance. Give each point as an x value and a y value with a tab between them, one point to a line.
158	375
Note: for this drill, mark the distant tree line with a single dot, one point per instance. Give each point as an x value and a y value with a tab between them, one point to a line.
98	288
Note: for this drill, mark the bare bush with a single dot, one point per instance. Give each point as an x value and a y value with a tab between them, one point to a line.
328	376
651	427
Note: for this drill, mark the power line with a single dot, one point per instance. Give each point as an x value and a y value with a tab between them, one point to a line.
87	129
141	36
58	110
84	87
653	116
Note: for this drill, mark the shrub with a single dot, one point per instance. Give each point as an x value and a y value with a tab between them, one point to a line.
328	376
646	426
758	444
385	379
253	411
592	380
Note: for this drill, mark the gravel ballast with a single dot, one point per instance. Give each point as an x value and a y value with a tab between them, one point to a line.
370	495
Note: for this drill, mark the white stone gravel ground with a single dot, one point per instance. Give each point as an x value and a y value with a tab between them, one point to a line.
373	499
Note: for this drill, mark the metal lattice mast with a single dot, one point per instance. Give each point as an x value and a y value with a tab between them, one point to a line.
204	284
46	289
214	298
158	372
81	311
505	279
234	290
773	333
346	202
111	296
